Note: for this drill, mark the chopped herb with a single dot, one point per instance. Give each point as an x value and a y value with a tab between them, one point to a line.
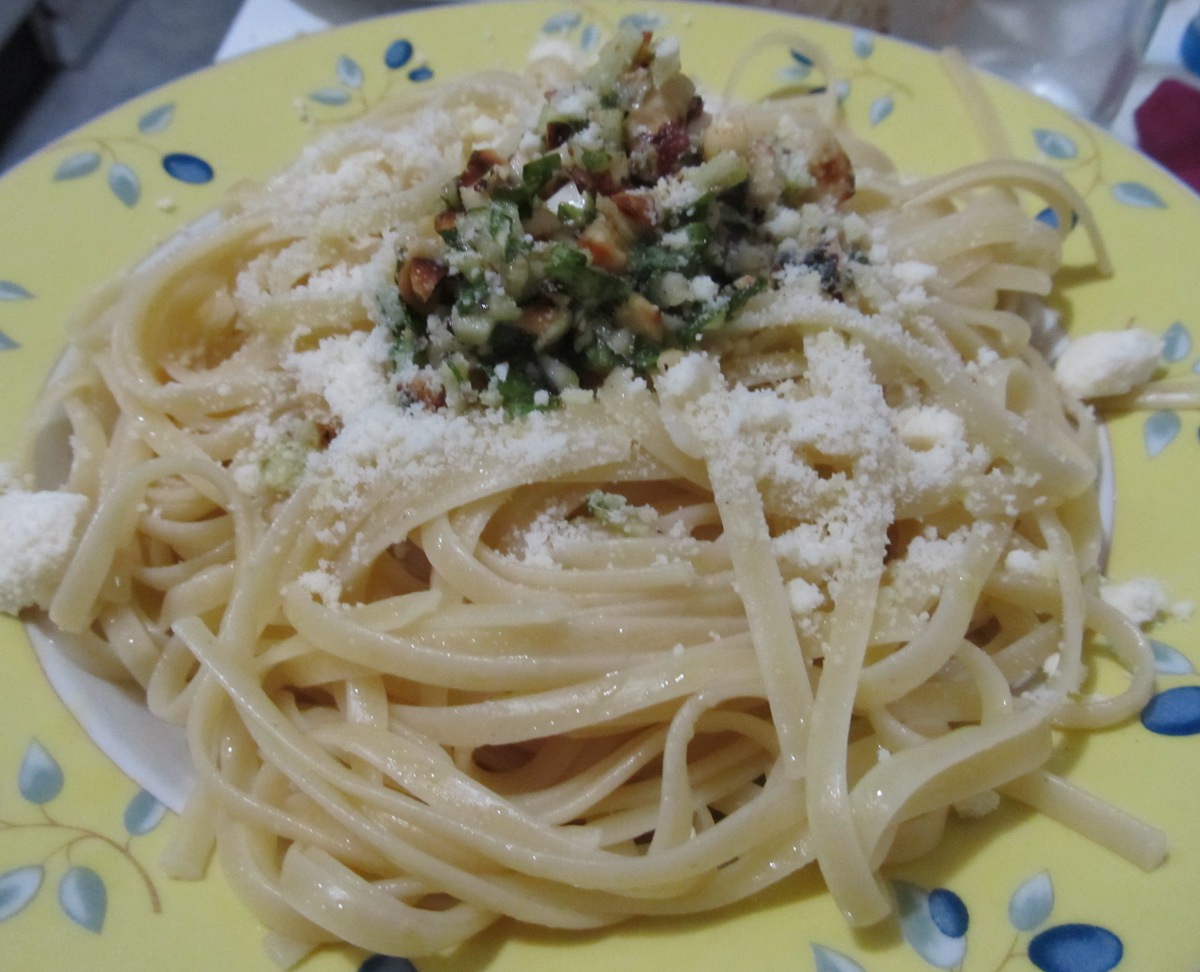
472	295
518	392
596	160
614	512
570	269
537	173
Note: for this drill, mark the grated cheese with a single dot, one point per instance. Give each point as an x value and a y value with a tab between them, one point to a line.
1108	363
1142	600
803	597
37	533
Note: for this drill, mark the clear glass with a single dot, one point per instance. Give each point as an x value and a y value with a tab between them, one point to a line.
1080	54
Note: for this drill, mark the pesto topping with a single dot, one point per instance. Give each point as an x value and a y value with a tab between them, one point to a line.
621	228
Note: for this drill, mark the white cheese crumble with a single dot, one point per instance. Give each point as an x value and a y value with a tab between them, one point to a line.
547	536
674	194
1142	600
911	276
803	597
323	583
704	288
37	532
1108	363
347	370
784	224
1021	561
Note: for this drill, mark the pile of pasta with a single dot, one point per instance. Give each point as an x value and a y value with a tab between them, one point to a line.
794	600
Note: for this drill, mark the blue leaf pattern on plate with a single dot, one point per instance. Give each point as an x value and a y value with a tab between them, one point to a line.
562	23
143	813
843	89
349	72
881	108
921	931
589	38
1177	342
7	343
642	21
1031	903
386	963
1055	144
399	52
124	183
1075	948
1168	661
1136	194
420	74
948	912
827	960
13	291
77	165
18	887
794	73
1160	431
1175	712
83	897
156	119
330	96
1049	217
863	44
40	778
187	168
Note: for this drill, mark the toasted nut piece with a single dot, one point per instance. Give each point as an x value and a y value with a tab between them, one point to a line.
546	321
830	167
327	432
642	317
667	104
603	241
425	275
558	132
417	279
445	221
481	162
639	210
420	389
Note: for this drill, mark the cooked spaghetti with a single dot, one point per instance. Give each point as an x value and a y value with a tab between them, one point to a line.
591	504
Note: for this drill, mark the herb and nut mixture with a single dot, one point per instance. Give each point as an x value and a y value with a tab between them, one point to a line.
629	222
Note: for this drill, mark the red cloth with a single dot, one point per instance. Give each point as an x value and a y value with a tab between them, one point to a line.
1168	129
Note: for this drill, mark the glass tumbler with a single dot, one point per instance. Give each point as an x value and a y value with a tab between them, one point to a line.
1080	54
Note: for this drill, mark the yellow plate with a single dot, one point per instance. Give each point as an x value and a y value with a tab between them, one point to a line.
79	882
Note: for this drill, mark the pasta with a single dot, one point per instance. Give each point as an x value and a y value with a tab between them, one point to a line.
582	506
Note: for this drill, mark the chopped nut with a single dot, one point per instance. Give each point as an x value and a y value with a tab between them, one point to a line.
418	280
642	317
831	169
481	162
544	320
638	209
606	251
